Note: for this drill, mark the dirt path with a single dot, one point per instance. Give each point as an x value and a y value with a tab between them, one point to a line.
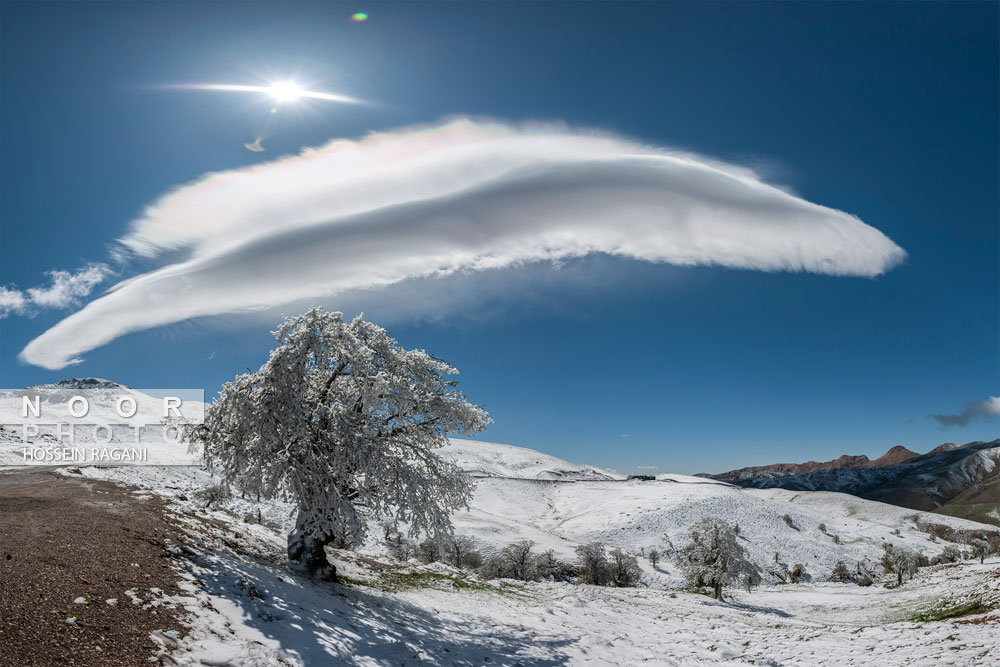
63	538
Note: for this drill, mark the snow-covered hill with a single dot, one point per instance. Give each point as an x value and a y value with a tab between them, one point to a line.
490	459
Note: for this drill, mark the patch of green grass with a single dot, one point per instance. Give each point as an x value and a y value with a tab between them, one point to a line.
944	613
400	581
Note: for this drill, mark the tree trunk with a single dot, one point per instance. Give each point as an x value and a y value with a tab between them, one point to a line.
899	580
309	551
718	592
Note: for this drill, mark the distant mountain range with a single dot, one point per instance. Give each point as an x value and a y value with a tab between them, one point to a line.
957	480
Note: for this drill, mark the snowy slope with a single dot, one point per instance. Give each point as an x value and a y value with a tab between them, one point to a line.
490	459
637	516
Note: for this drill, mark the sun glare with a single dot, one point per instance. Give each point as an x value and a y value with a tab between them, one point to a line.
285	91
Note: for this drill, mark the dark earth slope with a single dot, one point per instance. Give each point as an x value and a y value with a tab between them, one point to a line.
64	538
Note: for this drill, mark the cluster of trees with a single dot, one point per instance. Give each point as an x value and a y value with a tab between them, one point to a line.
520	560
904	563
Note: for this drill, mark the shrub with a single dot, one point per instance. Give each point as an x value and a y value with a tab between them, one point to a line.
401	548
428	551
460	551
519	561
593	564
950	554
624	570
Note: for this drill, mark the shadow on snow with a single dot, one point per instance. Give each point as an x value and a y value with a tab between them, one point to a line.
324	624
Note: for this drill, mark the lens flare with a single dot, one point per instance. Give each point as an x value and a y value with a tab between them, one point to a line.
359	17
286	91
280	91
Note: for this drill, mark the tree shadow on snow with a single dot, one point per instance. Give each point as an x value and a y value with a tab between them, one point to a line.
325	624
749	607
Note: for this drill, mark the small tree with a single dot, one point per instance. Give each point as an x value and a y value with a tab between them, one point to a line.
797	573
736	529
624	569
840	573
899	561
429	551
460	551
822	527
980	549
342	417
401	548
593	564
788	521
714	557
519	561
654	557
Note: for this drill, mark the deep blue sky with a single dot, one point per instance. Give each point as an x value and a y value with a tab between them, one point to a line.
889	112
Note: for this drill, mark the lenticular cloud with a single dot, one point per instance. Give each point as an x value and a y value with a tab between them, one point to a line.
434	201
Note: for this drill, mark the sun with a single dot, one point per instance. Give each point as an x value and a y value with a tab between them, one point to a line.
285	91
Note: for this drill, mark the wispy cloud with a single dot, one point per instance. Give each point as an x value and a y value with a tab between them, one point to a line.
465	196
65	289
12	301
986	410
647	467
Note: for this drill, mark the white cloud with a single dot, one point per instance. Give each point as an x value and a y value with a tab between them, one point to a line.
68	288
11	301
985	410
64	290
421	203
647	467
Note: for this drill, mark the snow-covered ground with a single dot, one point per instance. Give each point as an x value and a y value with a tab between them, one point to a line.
248	608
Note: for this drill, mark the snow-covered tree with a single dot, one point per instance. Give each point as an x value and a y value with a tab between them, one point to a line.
840	573
715	558
899	561
654	557
344	421
950	554
980	549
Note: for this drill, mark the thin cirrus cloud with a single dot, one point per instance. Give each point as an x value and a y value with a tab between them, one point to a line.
447	200
985	410
65	289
